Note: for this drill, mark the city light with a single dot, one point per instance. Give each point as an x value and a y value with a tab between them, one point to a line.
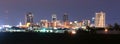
73	32
59	21
28	24
106	30
56	25
1	27
100	19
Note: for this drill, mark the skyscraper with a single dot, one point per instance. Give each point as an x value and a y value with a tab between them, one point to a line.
65	17
100	19
65	20
29	18
54	17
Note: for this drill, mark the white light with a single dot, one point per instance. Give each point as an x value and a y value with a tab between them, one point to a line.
6	26
55	28
20	24
70	22
51	31
75	21
0	27
106	30
84	27
73	32
93	18
47	30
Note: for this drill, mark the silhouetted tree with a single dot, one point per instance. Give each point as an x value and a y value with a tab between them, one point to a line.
119	27
116	26
110	27
92	29
88	27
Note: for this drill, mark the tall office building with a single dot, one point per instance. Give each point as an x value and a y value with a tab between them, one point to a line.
100	19
29	18
54	17
54	20
65	17
65	20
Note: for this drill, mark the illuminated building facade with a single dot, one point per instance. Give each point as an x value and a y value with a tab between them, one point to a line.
44	23
65	20
86	22
75	25
29	18
80	23
100	19
54	20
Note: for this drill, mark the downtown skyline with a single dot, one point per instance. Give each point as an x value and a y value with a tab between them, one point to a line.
13	11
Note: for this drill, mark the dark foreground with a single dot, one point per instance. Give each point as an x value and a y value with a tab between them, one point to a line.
52	38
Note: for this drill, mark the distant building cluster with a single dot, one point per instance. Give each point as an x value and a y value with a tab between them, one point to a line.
97	21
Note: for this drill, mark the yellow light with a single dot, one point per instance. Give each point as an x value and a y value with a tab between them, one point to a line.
28	24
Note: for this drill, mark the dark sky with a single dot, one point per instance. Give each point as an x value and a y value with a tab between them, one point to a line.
13	11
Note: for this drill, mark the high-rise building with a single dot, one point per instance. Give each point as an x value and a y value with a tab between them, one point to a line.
54	17
54	20
65	17
65	20
100	19
29	18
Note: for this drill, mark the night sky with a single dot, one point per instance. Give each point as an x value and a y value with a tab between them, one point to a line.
13	11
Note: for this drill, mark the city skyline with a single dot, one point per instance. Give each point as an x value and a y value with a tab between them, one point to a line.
13	11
